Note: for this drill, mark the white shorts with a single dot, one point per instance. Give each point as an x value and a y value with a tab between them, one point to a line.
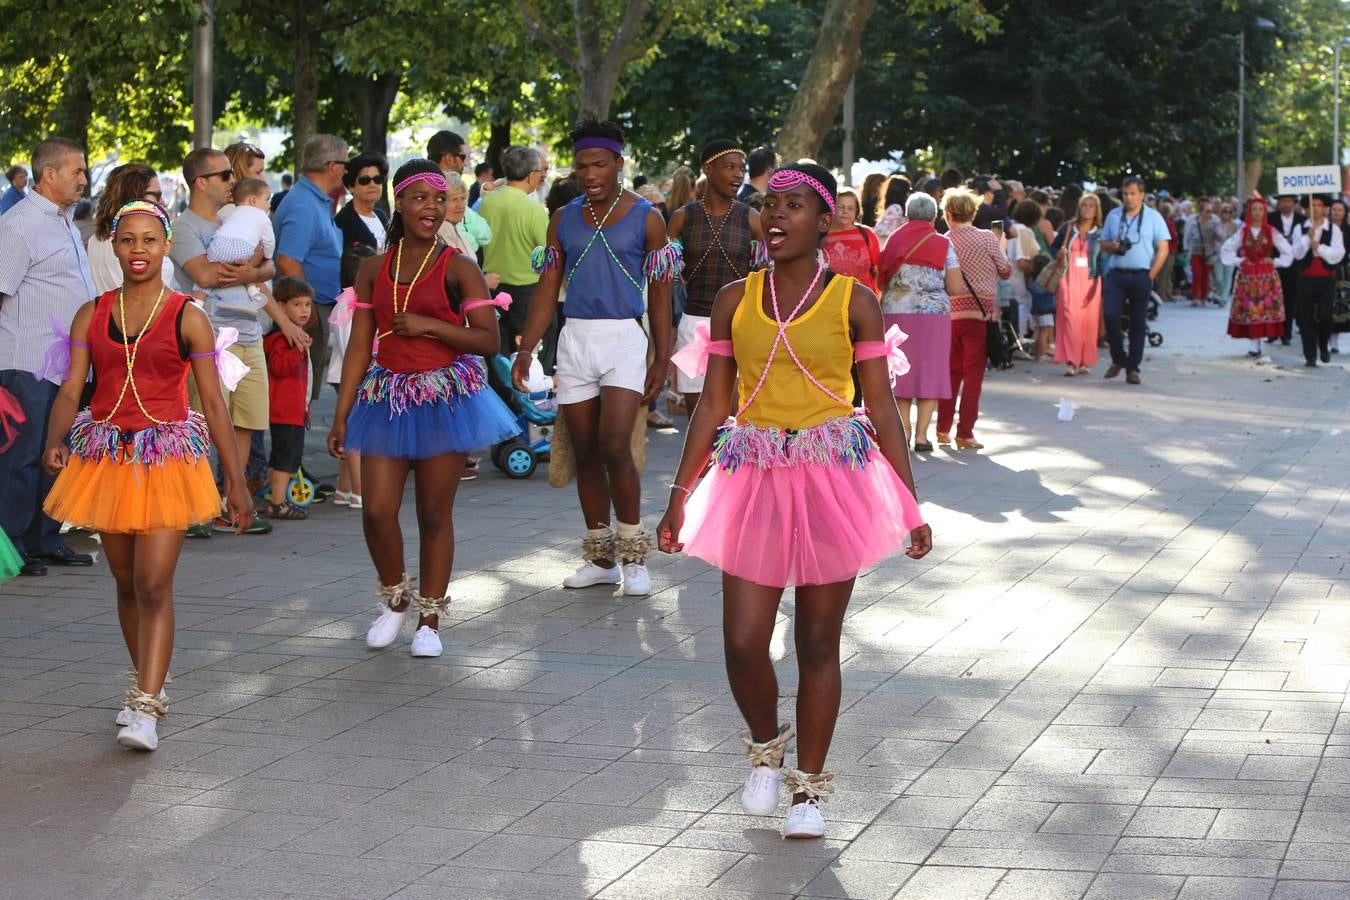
684	336
600	353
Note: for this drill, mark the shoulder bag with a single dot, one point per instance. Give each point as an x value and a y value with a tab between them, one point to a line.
1048	280
993	338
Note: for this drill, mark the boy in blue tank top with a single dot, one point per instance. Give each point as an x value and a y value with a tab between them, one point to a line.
610	247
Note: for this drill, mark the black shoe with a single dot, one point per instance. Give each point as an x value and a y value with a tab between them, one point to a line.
1310	364
1132	378
1326	356
33	566
64	556
1271	340
1284	341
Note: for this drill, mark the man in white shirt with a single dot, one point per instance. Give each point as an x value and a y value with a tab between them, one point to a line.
1318	249
1288	220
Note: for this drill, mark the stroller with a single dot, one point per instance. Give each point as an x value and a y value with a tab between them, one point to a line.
519	456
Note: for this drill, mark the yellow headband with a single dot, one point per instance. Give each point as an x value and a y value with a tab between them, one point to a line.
717	156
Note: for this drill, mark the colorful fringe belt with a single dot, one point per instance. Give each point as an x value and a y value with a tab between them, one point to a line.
404	390
153	446
847	441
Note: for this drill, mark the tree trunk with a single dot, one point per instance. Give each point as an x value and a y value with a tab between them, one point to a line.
597	89
72	116
499	138
305	103
832	64
375	99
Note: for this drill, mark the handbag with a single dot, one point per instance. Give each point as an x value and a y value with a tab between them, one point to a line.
993	337
1048	280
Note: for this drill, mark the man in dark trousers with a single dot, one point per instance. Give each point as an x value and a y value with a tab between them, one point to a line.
1319	247
1288	221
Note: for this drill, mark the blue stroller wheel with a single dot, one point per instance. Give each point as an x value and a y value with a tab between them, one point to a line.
519	461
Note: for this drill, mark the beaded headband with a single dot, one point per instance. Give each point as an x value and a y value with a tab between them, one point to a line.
598	143
435	180
787	179
143	208
724	153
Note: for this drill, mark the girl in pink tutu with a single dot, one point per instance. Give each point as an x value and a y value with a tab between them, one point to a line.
804	490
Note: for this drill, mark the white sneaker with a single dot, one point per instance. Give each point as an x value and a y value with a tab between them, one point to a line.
760	795
125	713
804	821
637	582
590	575
385	628
426	642
139	733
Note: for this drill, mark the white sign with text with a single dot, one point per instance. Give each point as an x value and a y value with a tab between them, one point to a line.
1308	180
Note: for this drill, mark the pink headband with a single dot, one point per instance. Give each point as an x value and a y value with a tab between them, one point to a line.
598	143
787	179
435	180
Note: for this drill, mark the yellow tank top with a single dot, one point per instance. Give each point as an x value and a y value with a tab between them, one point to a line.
822	341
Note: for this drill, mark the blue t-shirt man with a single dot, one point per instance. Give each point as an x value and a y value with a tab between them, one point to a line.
1128	282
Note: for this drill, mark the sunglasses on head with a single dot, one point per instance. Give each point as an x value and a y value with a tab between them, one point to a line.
370	179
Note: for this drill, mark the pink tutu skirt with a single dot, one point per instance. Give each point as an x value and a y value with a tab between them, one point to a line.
798	519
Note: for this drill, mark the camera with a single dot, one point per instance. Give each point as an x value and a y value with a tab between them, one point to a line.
1125	245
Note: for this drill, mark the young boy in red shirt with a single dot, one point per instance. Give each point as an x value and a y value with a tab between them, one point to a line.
288	391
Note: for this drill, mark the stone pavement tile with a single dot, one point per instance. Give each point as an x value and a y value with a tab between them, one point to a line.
342	837
1308	890
950	883
1170	864
625	889
953	783
578	820
1111	886
894	843
1162	821
1200	887
852	878
1254	824
283	883
456	883
684	866
783	871
926	812
1037	884
596	859
1278	768
1331	827
265	830
1088	818
1006	815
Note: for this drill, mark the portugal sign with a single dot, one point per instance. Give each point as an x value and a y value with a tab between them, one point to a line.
1308	180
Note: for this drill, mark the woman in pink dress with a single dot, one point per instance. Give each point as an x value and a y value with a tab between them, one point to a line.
1079	298
852	249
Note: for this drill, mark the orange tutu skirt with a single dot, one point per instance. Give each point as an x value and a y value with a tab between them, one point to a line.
133	497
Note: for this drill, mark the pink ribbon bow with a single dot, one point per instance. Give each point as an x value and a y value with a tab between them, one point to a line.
11	417
693	359
56	361
232	369
896	360
502	301
344	307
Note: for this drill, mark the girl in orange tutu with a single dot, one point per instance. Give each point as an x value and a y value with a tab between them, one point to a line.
135	465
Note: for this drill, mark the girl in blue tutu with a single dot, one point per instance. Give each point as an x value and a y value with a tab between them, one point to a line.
414	395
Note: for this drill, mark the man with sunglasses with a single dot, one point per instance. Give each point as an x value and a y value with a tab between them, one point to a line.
309	245
449	151
210	180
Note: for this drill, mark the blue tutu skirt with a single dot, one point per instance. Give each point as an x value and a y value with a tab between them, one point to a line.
419	415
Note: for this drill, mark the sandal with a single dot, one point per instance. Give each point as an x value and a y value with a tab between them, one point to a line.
284	511
923	447
355	502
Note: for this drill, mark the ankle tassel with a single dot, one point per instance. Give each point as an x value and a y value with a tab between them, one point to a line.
140	701
636	548
391	595
768	753
430	606
815	786
597	544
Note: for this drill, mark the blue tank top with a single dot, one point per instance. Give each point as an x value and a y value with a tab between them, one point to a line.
597	288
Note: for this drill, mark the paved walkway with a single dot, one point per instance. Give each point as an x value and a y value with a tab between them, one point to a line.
1120	674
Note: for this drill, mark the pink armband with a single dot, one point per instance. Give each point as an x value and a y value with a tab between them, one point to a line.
896	362
502	301
693	359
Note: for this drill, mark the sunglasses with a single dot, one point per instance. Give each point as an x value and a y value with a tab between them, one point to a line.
370	179
223	175
336	162
157	196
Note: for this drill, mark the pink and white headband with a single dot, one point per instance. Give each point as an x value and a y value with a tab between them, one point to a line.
435	180
787	179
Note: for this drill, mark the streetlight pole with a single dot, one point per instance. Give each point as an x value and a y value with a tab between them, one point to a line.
202	75
1242	114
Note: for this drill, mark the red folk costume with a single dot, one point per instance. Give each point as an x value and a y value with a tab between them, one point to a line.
139	456
1258	302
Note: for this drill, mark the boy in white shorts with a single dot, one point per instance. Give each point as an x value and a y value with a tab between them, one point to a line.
611	246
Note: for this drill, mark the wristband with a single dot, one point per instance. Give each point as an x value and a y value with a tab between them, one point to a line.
675	486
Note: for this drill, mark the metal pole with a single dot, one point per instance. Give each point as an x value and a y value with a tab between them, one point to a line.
202	103
849	111
1336	115
1242	85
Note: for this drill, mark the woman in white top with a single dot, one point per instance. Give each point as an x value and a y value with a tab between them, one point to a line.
1259	305
133	181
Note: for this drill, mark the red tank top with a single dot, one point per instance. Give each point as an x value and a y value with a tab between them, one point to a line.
161	372
428	298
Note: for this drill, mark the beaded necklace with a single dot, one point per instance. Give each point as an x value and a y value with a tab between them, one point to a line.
129	349
716	239
599	233
782	338
407	292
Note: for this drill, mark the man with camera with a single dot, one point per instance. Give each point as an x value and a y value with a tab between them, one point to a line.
1134	248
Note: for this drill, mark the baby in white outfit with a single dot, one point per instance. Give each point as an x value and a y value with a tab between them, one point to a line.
246	232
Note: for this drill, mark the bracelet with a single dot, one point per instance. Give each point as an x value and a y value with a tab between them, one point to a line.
676	486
